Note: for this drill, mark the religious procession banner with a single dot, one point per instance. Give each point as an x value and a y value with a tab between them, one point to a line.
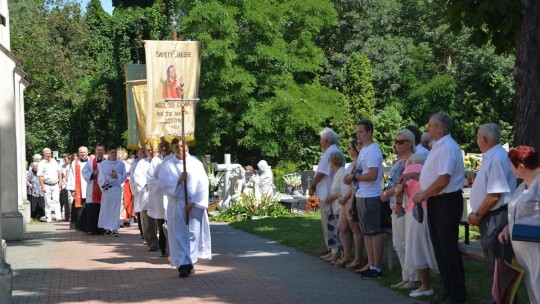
173	70
139	91
135	76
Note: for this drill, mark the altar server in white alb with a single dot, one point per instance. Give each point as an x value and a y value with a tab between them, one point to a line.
187	244
112	174
155	209
140	187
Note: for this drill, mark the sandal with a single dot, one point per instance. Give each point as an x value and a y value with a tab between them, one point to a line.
354	265
343	262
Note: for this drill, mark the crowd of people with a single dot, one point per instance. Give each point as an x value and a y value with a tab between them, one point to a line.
166	193
424	190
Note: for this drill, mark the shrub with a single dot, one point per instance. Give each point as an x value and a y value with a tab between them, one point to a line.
247	206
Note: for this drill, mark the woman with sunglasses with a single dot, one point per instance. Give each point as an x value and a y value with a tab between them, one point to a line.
404	147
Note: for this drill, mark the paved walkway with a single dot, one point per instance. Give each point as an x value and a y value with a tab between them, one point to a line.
57	265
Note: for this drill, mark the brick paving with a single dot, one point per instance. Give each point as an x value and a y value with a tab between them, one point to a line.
57	265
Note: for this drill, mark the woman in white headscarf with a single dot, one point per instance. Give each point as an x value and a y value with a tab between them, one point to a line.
264	181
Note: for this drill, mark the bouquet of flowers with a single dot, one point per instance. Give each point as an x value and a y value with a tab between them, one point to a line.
312	203
214	180
293	180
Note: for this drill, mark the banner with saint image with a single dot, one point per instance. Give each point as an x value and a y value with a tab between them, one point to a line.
172	71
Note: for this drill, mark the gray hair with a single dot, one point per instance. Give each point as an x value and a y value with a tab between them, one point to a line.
410	137
34	164
46	149
444	120
330	136
416	158
491	131
338	158
37	157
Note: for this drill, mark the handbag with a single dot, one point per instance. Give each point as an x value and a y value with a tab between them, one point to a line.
526	233
506	279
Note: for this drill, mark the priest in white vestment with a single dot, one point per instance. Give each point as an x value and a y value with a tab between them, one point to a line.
90	212
187	244
111	176
77	186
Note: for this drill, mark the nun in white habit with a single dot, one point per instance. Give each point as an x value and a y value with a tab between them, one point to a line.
187	244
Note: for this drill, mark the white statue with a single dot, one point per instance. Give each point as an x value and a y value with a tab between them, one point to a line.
264	180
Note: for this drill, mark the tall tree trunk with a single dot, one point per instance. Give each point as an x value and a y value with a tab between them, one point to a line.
527	76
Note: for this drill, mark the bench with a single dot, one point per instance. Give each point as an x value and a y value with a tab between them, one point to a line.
465	250
390	253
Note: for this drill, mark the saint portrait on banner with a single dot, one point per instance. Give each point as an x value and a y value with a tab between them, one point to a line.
172	85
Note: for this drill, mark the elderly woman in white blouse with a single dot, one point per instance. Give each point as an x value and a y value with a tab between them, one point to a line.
524	208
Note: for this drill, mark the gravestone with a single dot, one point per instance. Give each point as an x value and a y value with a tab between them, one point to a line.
306	178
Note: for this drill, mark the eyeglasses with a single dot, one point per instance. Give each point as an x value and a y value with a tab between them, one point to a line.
400	141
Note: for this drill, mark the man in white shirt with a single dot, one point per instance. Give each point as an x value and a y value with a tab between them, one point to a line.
441	180
368	202
321	183
491	191
50	178
420	149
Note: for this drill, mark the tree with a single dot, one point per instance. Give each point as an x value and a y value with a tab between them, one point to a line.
50	40
510	26
358	94
259	89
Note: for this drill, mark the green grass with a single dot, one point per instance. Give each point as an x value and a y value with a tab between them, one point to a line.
303	233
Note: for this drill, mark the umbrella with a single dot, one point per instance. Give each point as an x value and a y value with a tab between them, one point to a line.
506	279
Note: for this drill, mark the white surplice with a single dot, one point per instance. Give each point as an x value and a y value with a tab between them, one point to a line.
111	198
187	244
88	175
136	206
156	198
140	183
71	182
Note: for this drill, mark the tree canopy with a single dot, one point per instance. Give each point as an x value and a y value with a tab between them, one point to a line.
274	73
